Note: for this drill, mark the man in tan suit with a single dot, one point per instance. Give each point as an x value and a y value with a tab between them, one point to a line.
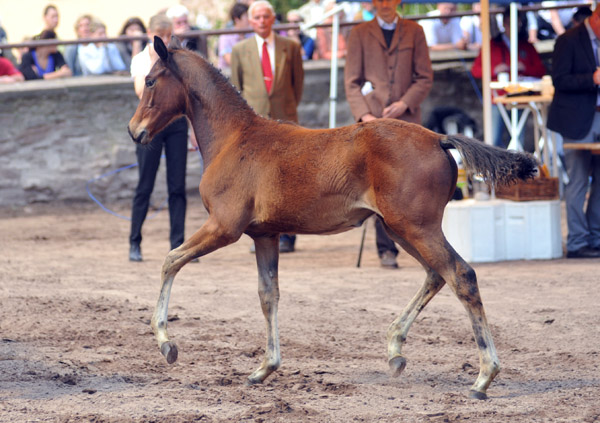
267	69
285	56
388	74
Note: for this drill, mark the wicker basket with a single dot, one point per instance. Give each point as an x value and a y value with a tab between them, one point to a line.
532	190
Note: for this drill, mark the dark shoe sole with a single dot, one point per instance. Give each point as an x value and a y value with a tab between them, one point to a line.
583	253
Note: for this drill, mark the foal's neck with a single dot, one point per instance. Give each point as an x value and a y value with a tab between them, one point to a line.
217	112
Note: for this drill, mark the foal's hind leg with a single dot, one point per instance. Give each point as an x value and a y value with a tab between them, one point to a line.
210	237
433	251
466	289
267	257
398	330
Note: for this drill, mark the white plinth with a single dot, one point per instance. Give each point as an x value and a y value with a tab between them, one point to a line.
496	230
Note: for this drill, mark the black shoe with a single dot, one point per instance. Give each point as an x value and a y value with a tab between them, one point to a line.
388	260
135	253
286	246
584	252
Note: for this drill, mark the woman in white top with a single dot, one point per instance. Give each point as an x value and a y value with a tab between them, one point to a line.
173	139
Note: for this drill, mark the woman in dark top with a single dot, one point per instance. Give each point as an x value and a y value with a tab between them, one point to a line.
44	62
128	49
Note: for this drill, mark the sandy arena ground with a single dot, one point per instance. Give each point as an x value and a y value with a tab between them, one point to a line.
76	345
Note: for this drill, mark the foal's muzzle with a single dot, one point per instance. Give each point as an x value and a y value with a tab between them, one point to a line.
139	138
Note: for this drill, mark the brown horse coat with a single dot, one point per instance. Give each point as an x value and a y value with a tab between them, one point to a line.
265	177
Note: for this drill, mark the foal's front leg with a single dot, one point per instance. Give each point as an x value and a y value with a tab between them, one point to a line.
267	258
210	237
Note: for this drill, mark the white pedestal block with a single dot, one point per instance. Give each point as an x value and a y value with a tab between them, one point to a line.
533	230
496	230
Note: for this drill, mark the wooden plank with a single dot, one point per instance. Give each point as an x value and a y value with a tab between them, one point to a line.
526	99
594	147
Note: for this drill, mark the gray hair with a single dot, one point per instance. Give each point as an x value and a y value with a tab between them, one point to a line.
257	3
177	11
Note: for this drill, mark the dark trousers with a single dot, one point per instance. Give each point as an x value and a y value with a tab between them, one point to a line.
382	240
288	238
174	140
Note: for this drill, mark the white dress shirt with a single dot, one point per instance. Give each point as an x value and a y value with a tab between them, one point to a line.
270	48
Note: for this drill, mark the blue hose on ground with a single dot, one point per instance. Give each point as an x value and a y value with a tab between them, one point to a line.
106	209
112	172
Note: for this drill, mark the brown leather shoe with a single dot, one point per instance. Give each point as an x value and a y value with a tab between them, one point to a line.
388	260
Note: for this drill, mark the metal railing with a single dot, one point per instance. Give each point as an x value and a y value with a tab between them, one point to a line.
278	27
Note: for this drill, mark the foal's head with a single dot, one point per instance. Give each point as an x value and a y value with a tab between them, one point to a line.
164	98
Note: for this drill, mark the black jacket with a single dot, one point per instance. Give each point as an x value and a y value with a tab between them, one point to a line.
573	65
28	69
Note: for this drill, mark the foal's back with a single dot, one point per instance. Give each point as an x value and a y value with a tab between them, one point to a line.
322	181
386	140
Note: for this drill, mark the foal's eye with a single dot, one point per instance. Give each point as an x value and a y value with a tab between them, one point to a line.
150	83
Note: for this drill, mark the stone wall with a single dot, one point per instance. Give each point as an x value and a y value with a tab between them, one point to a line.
59	136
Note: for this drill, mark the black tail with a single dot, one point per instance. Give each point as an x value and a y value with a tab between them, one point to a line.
495	165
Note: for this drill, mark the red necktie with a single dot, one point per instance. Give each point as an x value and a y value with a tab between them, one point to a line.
266	67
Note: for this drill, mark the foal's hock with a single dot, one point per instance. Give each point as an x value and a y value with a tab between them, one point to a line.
263	178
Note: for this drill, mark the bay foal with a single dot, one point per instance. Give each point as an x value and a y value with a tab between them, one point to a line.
263	178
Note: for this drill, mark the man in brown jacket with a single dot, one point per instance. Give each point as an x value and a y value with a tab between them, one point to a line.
267	69
388	74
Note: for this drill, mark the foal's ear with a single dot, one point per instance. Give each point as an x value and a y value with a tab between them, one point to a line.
174	43
161	49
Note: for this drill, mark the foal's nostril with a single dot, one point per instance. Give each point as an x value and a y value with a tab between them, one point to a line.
141	137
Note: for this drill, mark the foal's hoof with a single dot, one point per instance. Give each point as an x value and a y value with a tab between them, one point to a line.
397	365
253	381
478	395
169	350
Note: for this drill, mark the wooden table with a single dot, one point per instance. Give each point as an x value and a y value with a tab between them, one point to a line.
537	105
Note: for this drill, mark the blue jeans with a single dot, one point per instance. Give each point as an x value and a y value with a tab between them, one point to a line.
582	167
499	128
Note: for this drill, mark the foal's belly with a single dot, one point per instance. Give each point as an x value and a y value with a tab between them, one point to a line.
325	220
336	226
